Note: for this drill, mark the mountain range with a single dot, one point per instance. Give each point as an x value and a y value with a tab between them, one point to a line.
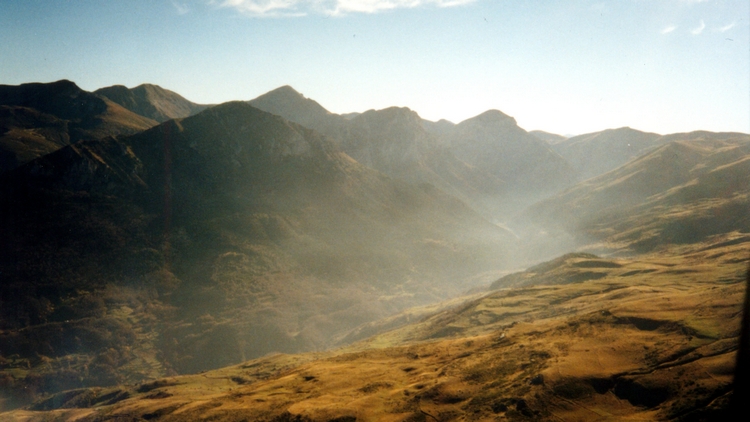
141	230
36	119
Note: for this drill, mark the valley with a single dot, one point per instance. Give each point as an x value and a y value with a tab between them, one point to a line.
272	260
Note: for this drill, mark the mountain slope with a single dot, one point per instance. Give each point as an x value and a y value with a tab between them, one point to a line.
550	138
596	153
394	141
672	194
232	227
151	101
286	102
36	119
493	142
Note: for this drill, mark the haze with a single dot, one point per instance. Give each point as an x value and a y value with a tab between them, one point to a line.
564	67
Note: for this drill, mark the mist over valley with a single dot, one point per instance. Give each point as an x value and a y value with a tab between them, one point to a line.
272	260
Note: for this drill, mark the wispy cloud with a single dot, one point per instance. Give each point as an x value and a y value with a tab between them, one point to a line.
261	8
181	8
726	28
699	29
668	29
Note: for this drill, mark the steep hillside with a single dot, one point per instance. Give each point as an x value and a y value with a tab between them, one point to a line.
493	142
151	101
649	339
232	227
695	186
596	153
395	141
36	119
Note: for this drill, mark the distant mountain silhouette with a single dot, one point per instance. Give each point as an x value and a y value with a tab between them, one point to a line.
38	118
151	101
595	153
673	194
259	227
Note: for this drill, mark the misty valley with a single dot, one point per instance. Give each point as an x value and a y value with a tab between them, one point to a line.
271	260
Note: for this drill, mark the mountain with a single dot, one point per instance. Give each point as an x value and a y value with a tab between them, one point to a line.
134	257
38	118
550	138
493	142
286	102
394	141
596	153
440	128
693	186
151	101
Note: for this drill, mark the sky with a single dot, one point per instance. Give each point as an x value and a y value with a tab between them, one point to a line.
563	66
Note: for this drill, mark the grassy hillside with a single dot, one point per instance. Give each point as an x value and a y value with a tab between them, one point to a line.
650	339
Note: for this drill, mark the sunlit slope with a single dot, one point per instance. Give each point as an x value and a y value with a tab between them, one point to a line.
650	339
37	118
695	186
232	227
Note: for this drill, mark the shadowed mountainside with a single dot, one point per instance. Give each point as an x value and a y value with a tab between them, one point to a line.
38	118
151	101
232	227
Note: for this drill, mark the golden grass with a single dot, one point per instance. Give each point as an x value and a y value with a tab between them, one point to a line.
654	339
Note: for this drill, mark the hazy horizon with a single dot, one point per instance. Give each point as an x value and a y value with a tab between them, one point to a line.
564	67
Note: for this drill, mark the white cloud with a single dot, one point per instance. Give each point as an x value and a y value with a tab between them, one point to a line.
329	7
181	8
726	28
668	29
699	29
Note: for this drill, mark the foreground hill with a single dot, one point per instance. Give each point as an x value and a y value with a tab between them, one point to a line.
648	339
38	118
151	101
694	186
125	259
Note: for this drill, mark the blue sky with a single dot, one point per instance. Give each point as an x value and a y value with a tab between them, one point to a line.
567	67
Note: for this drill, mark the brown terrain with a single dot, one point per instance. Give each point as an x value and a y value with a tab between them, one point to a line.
579	338
234	264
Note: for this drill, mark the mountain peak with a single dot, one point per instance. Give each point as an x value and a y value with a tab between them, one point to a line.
284	91
287	102
493	117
